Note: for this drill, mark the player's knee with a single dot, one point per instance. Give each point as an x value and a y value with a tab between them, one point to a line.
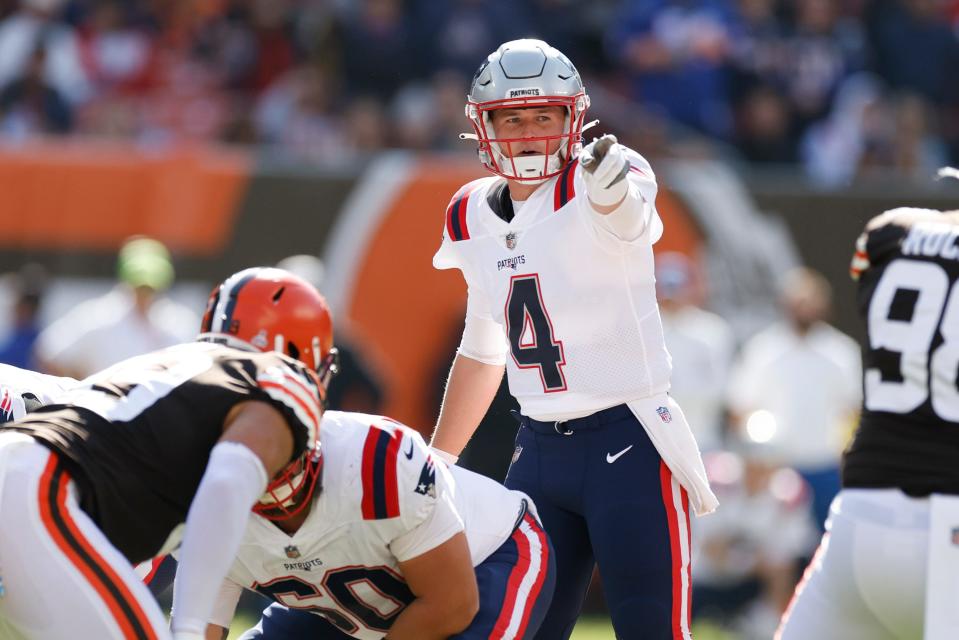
643	618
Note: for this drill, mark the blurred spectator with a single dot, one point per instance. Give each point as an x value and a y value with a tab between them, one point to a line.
788	72
29	106
297	112
759	50
867	131
833	148
747	553
460	32
764	127
380	70
365	126
356	387
796	387
701	345
252	44
29	285
131	319
917	151
822	51
431	116
117	55
677	52
915	47
35	26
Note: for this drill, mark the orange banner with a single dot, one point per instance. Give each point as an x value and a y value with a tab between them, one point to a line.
91	195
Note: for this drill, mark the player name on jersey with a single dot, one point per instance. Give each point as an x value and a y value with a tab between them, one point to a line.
907	265
932	240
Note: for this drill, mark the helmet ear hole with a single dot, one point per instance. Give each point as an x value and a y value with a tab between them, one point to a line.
292	351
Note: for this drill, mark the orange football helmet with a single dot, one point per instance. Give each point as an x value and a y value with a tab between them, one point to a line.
271	309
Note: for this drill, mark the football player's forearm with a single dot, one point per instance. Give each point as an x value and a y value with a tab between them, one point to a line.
216	632
423	619
469	392
233	480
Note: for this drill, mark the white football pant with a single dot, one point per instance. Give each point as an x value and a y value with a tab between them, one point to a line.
867	580
62	579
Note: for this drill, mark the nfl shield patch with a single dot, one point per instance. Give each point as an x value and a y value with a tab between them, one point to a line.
292	552
516	453
955	536
510	240
664	414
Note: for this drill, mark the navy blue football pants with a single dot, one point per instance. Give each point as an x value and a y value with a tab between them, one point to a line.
605	497
513	598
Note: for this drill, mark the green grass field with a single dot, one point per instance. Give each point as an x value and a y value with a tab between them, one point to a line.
588	628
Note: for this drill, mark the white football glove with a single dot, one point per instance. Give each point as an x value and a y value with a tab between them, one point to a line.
605	166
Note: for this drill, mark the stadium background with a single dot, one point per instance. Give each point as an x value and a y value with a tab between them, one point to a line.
239	132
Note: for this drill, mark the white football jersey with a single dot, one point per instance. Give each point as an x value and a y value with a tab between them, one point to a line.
383	500
15	383
576	304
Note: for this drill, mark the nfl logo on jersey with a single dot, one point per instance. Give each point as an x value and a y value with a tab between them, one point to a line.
292	552
955	536
664	414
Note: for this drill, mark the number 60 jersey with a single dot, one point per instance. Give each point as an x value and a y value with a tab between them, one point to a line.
907	265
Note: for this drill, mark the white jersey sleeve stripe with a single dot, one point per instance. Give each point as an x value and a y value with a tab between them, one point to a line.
286	389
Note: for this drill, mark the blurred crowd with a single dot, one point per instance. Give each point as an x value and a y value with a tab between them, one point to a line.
841	86
772	414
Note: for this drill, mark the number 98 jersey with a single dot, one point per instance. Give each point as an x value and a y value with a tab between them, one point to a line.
907	265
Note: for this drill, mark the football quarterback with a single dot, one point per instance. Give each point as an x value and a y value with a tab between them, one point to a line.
556	251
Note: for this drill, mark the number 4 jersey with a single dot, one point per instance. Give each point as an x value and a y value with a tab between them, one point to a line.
907	265
572	304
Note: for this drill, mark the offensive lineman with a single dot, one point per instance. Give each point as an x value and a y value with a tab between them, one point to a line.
897	512
199	433
380	549
557	256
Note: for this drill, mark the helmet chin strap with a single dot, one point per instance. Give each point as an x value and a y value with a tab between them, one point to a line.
531	169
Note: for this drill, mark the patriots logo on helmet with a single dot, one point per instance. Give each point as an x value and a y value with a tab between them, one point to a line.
6	406
427	483
664	414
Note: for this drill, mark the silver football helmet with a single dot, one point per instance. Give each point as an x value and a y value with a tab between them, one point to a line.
526	73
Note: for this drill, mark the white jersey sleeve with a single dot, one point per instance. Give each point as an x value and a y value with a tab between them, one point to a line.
456	228
225	604
21	388
427	515
483	337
